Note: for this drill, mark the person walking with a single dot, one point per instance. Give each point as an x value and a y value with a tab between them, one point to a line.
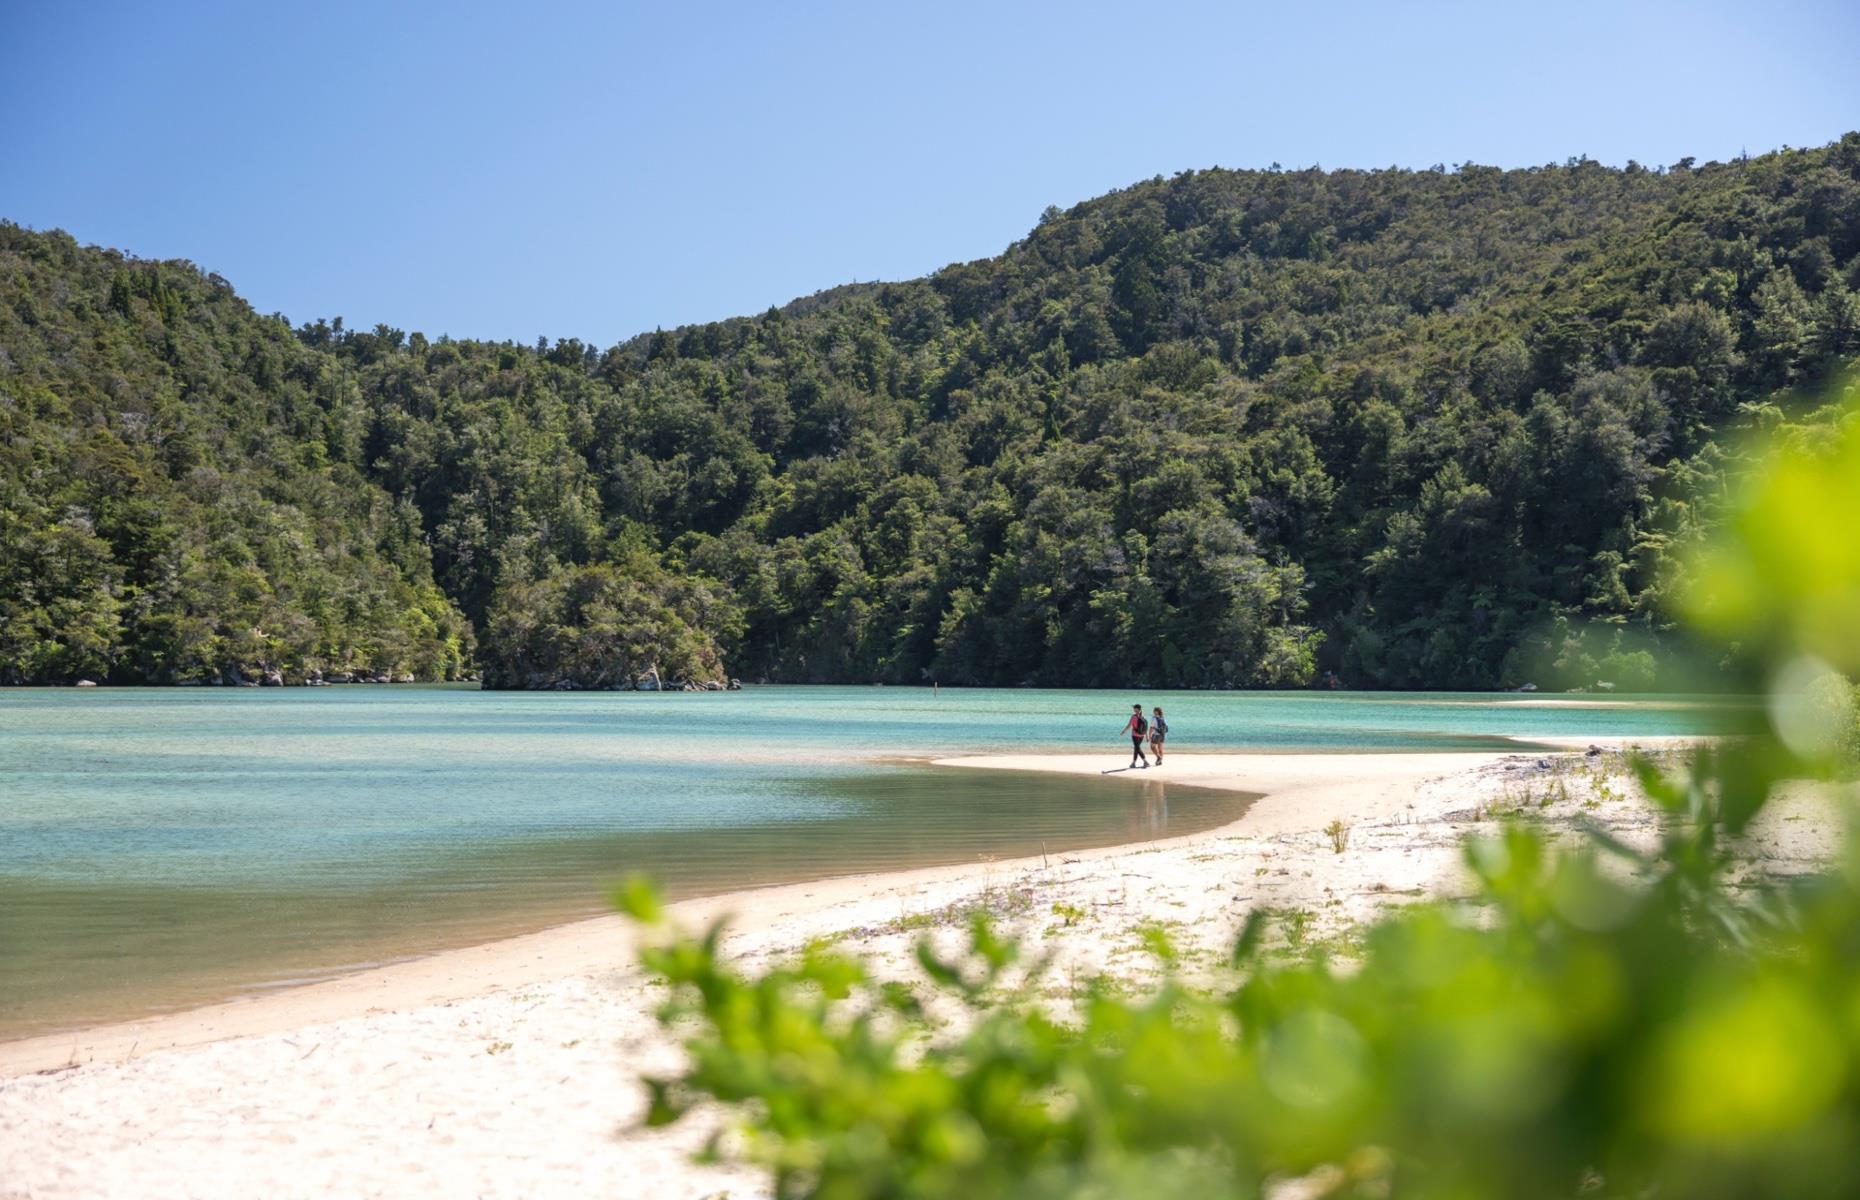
1159	729
1137	727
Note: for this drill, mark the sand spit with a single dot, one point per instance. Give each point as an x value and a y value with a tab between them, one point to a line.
510	1069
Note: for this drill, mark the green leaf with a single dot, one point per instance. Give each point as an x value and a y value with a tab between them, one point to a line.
638	898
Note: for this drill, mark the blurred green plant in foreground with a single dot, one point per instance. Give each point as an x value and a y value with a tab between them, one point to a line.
1654	1031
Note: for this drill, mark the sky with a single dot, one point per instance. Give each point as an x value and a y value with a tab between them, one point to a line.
599	170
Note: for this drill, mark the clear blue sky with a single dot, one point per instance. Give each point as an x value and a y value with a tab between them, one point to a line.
597	170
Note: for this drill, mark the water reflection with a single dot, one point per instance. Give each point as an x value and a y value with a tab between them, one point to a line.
1150	817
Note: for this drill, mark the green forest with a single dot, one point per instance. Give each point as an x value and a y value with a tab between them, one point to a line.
1447	428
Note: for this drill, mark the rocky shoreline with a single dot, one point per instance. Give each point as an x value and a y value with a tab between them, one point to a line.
265	676
648	680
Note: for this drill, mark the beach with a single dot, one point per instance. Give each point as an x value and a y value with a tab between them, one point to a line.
511	1069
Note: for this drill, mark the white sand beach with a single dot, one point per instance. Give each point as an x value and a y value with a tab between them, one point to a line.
511	1069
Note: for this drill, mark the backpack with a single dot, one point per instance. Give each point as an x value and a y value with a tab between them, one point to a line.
1143	726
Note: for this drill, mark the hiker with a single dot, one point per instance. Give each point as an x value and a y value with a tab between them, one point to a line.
1138	728
1159	729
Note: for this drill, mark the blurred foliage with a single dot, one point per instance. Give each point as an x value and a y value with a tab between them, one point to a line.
1597	1022
1788	582
1424	428
1783	585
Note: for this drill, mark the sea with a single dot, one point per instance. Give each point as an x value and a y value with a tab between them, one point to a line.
162	848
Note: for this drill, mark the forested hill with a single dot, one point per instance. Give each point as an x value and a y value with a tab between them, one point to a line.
1234	428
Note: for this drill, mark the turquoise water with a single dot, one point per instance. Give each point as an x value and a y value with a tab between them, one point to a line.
163	847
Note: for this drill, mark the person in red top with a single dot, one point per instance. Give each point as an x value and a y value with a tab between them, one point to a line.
1137	727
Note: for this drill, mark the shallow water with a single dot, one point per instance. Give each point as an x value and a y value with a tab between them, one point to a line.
162	847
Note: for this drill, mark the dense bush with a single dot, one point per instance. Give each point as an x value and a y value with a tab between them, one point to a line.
602	627
1425	428
174	501
1672	1029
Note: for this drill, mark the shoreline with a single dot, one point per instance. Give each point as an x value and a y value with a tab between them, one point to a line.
590	939
1274	778
513	1068
601	943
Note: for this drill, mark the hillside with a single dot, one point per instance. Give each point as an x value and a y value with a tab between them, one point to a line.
1233	428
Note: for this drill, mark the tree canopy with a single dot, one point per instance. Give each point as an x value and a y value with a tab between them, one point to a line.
1440	428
